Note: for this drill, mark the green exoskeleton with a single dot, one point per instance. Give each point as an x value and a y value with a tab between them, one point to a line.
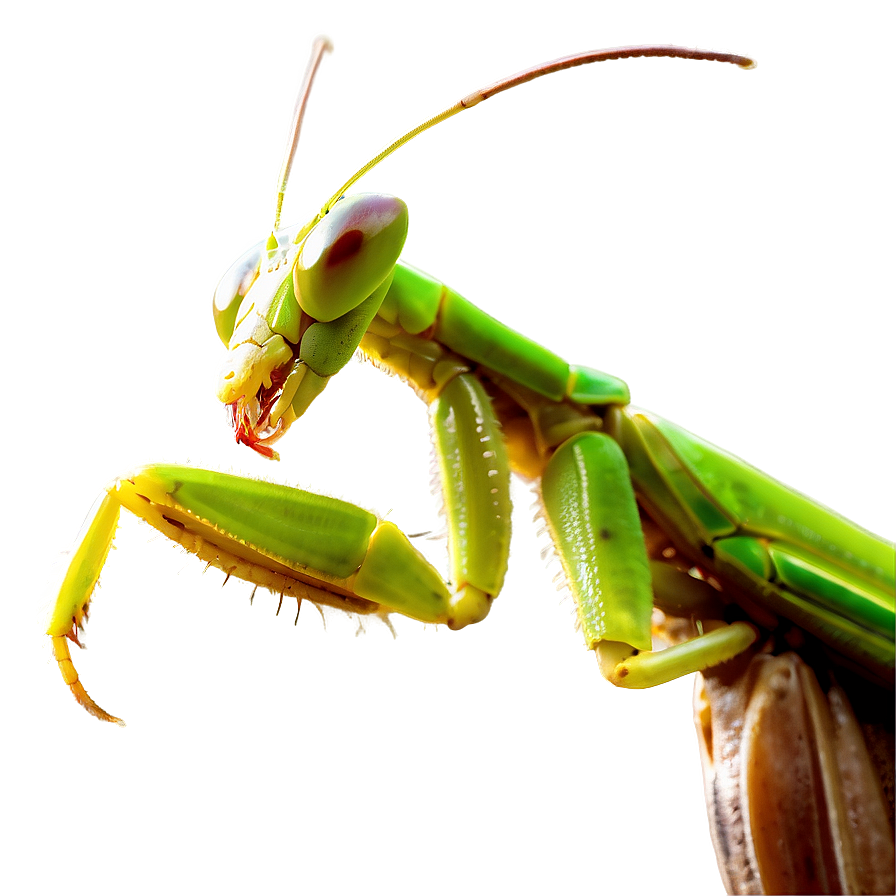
786	608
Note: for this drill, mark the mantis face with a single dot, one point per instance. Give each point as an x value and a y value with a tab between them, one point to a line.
292	311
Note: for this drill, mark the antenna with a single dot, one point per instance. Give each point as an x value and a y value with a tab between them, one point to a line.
530	74
320	46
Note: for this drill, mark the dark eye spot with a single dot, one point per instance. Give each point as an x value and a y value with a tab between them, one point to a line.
345	247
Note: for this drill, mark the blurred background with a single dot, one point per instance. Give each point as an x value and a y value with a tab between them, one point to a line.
721	239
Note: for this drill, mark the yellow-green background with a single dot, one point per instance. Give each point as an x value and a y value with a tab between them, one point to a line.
721	239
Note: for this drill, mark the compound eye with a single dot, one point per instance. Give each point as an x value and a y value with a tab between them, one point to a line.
349	254
231	290
233	286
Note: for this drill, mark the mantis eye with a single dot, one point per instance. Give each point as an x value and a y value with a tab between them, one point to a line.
349	254
233	286
230	292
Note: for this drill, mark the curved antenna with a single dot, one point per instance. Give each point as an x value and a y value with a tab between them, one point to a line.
320	46
529	74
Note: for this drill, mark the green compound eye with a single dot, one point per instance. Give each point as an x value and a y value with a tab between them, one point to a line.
349	254
244	272
232	289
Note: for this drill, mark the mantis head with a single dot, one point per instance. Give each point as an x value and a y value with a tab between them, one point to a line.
293	310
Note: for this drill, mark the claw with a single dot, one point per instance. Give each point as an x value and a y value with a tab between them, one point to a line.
70	612
70	676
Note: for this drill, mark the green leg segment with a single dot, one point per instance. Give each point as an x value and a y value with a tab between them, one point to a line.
475	476
289	541
593	517
473	464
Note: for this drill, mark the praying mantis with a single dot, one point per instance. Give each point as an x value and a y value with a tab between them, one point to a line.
472	602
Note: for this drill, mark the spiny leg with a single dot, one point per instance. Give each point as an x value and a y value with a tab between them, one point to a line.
70	611
289	541
305	545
